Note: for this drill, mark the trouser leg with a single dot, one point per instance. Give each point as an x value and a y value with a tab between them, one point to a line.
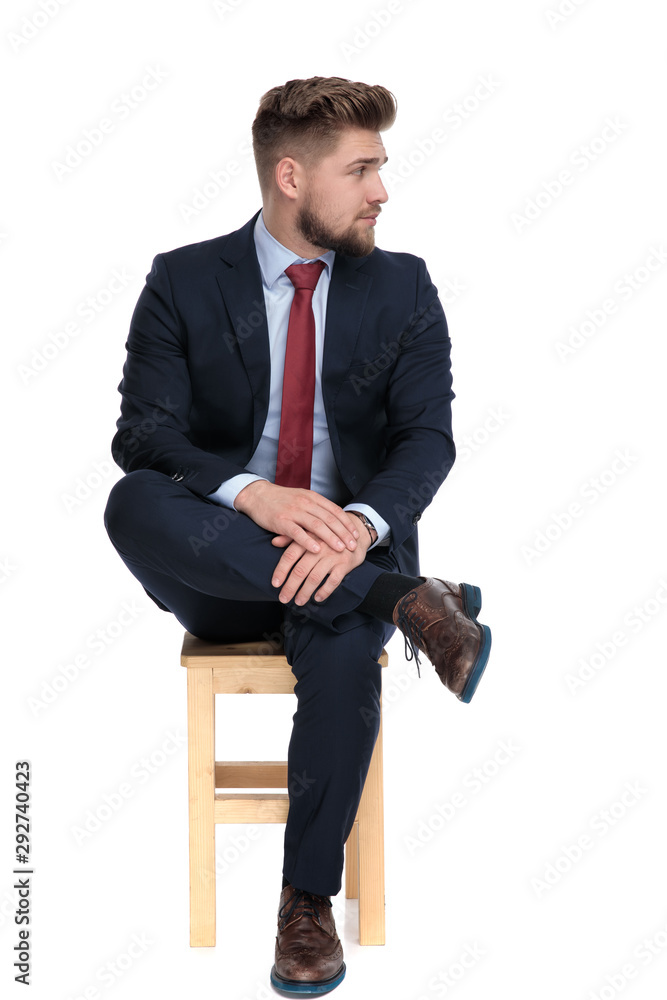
164	532
335	729
212	568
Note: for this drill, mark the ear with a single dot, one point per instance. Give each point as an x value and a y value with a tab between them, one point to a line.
287	175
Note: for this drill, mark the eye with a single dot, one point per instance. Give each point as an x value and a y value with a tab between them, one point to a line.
359	170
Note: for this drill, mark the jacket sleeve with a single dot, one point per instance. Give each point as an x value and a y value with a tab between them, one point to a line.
157	395
420	447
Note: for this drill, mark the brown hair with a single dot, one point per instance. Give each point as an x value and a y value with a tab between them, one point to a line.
304	119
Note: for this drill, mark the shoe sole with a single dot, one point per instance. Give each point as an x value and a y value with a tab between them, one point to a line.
472	599
472	605
298	987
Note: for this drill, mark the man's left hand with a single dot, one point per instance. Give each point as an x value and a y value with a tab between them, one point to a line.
300	572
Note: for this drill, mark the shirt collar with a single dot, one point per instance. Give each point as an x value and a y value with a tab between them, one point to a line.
273	257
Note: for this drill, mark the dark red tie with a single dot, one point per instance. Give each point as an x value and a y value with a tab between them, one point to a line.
295	443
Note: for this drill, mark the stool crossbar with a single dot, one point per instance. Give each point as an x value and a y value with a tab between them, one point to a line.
247	668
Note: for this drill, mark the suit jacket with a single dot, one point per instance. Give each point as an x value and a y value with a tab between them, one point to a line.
195	386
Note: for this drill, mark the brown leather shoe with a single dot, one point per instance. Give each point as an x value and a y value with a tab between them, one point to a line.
309	955
440	618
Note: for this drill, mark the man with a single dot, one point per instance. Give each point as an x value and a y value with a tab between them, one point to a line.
285	420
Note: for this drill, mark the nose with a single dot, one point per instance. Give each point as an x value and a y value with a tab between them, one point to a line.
377	193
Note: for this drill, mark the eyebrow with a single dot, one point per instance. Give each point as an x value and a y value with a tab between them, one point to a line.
366	159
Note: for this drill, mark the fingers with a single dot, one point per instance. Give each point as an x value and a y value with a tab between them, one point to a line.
302	575
350	527
332	532
322	518
303	515
296	579
297	534
290	556
334	579
304	580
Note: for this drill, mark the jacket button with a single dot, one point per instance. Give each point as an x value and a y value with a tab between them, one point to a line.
416	518
177	476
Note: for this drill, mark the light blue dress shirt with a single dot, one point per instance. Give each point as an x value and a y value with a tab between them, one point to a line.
278	294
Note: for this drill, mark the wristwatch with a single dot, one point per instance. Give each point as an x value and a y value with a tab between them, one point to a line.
369	524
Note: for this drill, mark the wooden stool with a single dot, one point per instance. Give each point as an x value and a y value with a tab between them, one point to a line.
245	668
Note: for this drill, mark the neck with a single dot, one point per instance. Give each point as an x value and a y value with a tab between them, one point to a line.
283	230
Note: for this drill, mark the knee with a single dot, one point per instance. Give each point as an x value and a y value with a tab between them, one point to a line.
129	498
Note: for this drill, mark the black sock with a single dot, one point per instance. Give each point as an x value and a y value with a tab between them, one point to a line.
285	882
385	594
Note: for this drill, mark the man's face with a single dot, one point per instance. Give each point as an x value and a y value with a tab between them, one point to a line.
343	195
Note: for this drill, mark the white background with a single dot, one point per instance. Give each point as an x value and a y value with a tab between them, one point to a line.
537	432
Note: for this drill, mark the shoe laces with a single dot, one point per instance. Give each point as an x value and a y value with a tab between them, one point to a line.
302	904
411	624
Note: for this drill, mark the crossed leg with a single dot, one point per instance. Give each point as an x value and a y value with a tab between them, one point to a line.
212	568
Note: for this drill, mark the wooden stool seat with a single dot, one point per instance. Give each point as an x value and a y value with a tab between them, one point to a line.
255	668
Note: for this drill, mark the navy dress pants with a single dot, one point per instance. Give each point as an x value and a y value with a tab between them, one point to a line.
212	568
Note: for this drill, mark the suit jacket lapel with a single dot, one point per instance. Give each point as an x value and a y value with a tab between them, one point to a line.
240	282
348	294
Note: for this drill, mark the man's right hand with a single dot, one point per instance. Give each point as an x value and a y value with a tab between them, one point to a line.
292	513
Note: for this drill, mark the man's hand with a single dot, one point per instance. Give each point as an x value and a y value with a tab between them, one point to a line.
301	572
303	516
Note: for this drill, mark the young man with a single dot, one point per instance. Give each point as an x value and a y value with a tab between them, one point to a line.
285	420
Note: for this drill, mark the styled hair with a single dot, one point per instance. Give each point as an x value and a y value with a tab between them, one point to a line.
304	119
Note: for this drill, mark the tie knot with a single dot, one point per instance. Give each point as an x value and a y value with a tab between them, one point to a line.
305	275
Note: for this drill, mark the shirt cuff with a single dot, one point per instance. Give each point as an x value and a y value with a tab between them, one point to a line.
379	523
228	491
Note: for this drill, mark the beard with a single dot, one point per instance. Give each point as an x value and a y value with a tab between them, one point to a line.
352	242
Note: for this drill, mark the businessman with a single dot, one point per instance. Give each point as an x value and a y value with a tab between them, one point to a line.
285	421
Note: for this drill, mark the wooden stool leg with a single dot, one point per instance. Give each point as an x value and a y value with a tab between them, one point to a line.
352	863
201	788
371	851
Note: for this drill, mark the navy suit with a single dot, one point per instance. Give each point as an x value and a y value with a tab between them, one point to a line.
195	394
